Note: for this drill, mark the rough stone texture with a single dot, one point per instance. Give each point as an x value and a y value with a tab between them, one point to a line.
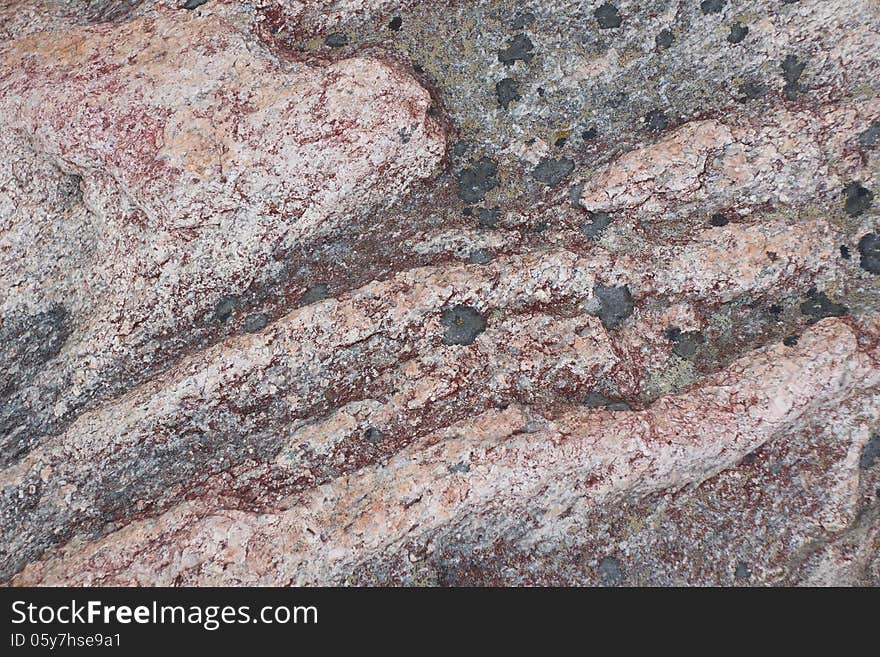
710	164
515	467
494	292
195	178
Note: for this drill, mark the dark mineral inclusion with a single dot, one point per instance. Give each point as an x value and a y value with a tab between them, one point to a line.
507	91
608	16
615	304
551	172
819	306
595	224
463	324
858	198
598	400
869	253
478	179
519	49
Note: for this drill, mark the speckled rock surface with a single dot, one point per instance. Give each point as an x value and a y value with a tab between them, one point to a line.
439	293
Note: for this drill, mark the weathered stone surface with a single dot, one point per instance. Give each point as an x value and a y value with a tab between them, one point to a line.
293	294
515	462
198	161
713	164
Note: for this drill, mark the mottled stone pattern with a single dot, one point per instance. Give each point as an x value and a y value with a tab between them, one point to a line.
439	293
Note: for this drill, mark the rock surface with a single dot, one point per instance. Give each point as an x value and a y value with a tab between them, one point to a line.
290	295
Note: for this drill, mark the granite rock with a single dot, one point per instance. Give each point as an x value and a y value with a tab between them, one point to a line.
291	297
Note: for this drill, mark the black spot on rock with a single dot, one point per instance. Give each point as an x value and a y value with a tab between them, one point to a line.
775	309
656	120
718	220
869	253
790	341
373	435
336	40
595	400
475	181
870	452
507	91
463	324
225	307
615	304
871	136
479	256
551	172
314	294
595	224
742	572
488	217
559	143
193	4
396	23
611	572
664	38
686	343
589	134
737	33
858	199
844	252
607	16
751	90
792	69
712	6
518	49
255	322
598	400
819	306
